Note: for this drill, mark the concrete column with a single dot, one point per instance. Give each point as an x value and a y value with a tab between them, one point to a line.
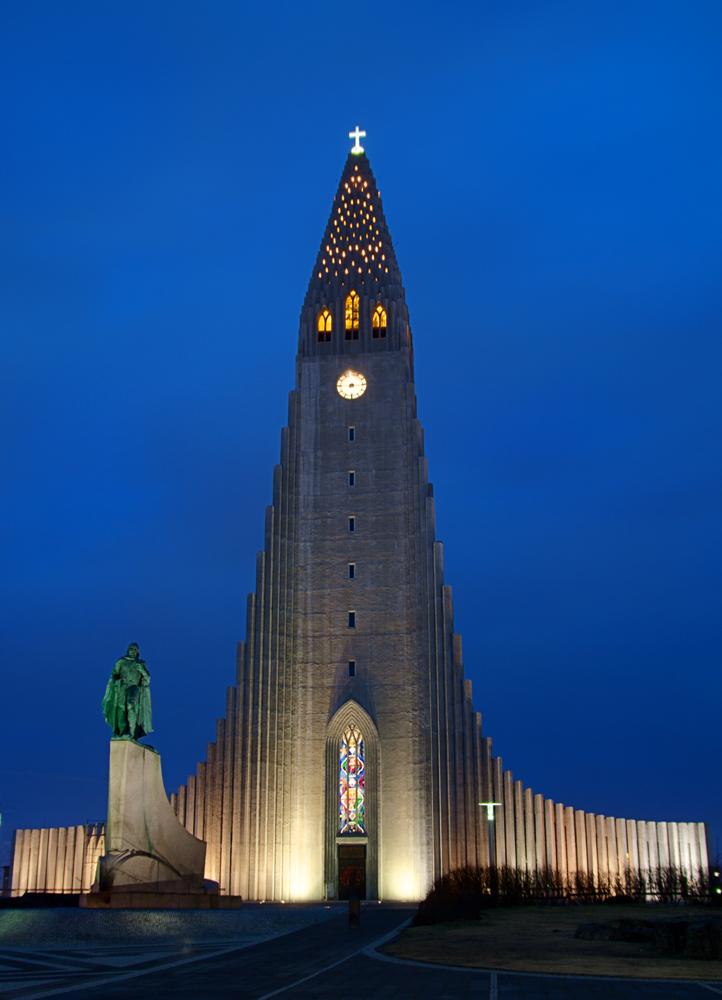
69	859
633	847
200	801
60	862
218	776
571	844
550	836
28	850
33	864
694	850
467	781
488	769
208	811
540	846
602	853
663	845
509	826
27	861
673	837
191	804
15	885
42	860
182	797
519	825
529	837
50	880
685	854
561	841
173	799
580	833
703	841
620	828
487	781
612	850
238	762
591	831
226	823
482	787
653	849
79	858
499	831
692	841
643	849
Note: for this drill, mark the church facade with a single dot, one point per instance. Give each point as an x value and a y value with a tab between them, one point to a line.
350	759
350	672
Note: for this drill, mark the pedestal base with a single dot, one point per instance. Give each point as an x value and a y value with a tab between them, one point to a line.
147	850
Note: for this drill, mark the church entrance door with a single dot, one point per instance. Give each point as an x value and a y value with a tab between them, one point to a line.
351	871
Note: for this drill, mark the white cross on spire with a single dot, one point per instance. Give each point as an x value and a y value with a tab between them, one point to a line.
357	135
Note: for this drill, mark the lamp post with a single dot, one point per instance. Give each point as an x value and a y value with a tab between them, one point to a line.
490	817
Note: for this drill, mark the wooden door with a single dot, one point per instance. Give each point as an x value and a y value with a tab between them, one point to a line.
351	871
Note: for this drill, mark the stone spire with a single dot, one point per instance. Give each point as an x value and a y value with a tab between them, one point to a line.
356	252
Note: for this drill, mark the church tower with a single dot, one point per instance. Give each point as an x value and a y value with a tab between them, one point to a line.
350	759
354	757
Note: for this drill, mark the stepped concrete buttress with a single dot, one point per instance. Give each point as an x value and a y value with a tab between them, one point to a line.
145	844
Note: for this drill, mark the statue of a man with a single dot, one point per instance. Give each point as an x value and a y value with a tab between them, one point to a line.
126	705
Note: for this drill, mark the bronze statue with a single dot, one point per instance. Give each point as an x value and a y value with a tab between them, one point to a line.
126	705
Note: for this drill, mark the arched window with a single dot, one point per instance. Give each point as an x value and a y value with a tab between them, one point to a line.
324	327
378	322
352	316
351	783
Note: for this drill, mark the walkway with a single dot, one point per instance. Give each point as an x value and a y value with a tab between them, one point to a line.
324	960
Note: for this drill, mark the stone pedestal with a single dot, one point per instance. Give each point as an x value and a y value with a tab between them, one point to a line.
147	848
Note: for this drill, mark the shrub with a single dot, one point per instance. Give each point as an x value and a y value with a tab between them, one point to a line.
462	894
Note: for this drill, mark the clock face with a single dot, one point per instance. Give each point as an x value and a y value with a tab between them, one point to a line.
351	385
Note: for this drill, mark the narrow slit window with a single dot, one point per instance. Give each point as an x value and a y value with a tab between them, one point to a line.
352	478
352	524
378	323
324	327
352	619
352	433
352	571
352	668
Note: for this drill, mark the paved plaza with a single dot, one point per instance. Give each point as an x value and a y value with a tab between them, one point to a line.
297	953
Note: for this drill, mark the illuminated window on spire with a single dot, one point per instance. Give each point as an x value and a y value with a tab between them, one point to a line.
351	783
352	316
379	322
324	327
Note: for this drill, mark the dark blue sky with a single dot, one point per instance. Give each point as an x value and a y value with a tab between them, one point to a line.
551	176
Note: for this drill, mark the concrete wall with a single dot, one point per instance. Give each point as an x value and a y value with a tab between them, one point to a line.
538	834
263	799
57	860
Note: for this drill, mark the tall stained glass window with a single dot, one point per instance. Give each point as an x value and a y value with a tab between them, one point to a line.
351	783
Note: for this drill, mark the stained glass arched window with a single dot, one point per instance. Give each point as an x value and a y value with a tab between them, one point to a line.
352	316
378	322
351	783
324	327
